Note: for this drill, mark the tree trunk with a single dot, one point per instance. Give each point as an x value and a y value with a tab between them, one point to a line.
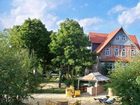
44	69
72	75
60	76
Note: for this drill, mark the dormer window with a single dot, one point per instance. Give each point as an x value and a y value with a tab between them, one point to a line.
123	37
117	37
123	52
107	51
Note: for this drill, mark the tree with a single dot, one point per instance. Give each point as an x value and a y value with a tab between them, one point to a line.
15	37
15	81
125	81
33	35
69	45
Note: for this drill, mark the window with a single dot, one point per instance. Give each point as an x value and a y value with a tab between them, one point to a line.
117	37
116	52
107	51
123	37
123	52
133	52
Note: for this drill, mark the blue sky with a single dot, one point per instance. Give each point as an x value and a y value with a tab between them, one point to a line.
93	15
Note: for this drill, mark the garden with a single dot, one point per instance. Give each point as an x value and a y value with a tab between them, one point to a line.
35	61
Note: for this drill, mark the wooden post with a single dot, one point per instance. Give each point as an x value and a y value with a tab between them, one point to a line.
78	83
96	86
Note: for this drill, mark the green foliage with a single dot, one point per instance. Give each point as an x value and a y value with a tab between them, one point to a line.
126	82
15	37
106	68
69	45
33	36
15	81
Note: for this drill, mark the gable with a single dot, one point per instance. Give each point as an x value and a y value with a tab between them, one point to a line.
121	39
103	39
107	40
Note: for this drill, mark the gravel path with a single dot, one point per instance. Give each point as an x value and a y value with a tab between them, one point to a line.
41	99
51	85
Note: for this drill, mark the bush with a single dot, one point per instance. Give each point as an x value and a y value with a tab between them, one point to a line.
15	78
125	81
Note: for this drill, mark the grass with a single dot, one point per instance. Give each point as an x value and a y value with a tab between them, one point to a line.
50	79
51	90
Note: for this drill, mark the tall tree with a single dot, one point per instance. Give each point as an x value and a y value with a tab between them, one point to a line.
69	45
33	36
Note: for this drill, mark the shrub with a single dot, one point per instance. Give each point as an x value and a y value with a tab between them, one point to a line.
125	81
15	78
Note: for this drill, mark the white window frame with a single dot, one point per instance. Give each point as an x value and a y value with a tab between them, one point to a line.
107	52
123	52
133	52
123	37
116	51
117	37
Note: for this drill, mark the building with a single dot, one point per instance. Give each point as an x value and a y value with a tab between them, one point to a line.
114	46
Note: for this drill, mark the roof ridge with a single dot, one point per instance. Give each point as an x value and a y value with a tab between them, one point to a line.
98	32
104	38
109	37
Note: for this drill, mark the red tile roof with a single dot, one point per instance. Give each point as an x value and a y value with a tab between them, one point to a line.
104	39
134	39
97	37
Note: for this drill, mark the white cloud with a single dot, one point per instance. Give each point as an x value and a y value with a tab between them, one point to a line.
130	16
60	21
50	21
117	9
42	9
23	9
90	23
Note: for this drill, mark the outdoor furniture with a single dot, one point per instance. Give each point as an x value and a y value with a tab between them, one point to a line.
68	92
77	93
83	88
71	92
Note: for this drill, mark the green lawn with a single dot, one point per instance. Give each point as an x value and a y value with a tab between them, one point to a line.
51	90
